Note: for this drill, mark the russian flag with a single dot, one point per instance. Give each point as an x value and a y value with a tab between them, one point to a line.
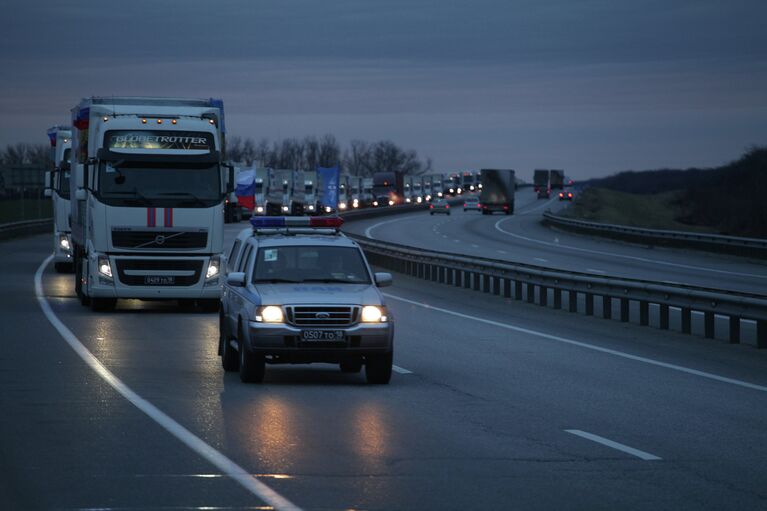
80	120
245	188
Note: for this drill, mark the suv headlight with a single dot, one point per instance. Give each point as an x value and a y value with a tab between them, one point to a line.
269	314
373	314
214	266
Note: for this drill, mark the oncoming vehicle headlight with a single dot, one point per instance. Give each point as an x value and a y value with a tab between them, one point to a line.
311	207
214	266
373	314
328	209
269	314
260	209
105	269
341	205
285	208
391	203
64	243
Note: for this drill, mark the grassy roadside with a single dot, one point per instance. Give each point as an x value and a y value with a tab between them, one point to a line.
653	211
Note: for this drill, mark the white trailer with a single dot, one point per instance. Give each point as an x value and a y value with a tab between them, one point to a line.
148	209
57	187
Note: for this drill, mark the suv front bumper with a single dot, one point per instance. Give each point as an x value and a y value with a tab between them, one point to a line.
284	339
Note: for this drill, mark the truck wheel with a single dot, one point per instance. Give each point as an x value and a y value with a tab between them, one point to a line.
103	304
84	300
352	365
252	365
378	368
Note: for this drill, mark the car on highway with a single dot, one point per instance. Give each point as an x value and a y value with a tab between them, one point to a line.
298	291
472	204
439	206
566	195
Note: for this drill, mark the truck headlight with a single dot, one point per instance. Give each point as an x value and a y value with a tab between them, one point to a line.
311	207
105	269
285	208
260	209
373	314
375	203
64	243
214	266
341	205
269	314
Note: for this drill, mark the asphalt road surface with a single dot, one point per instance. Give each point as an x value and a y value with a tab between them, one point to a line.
494	405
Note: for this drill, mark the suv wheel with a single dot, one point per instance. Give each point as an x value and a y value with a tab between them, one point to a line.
378	368
252	365
230	358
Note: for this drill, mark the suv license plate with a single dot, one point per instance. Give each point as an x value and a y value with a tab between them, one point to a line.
159	280
322	335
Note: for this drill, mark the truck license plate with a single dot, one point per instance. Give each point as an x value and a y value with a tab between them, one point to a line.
322	335
159	280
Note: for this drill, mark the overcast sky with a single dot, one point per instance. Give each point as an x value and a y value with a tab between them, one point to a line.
590	86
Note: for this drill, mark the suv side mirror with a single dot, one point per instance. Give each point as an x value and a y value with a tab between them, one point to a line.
236	279
383	279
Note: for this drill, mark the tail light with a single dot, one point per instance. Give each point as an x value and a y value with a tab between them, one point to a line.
464	204
447	206
431	206
505	207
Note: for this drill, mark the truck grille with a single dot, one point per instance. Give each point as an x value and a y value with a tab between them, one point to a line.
159	239
155	266
322	315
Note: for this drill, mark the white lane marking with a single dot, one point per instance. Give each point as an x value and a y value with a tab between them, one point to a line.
615	445
475	245
369	230
400	370
195	443
444	235
593	347
633	258
592	270
501	251
541	260
456	241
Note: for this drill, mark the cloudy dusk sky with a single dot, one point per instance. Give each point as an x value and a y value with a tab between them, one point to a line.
593	86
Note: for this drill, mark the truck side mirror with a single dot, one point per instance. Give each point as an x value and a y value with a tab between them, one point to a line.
47	192
81	194
230	181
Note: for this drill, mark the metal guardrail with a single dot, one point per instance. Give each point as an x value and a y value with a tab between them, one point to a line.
711	242
13	229
544	286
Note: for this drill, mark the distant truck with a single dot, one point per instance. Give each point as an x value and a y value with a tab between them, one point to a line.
285	192
366	196
344	192
557	179
388	188
311	193
147	210
57	187
497	193
540	180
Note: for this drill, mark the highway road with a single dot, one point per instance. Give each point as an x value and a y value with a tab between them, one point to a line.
521	238
494	405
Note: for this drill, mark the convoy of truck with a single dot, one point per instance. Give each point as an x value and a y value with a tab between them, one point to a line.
151	190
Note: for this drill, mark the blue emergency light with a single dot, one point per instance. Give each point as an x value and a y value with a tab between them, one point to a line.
281	222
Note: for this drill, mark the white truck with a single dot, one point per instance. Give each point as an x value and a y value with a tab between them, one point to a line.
148	207
262	178
344	192
284	192
57	187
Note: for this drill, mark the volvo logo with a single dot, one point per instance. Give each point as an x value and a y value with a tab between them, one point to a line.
159	239
322	315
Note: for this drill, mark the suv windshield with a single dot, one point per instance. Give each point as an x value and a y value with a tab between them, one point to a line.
192	184
310	264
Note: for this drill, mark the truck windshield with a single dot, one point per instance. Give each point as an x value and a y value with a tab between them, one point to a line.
188	184
300	264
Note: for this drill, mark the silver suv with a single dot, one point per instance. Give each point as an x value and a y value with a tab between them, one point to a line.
299	291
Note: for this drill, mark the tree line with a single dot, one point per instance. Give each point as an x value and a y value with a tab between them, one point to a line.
360	158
